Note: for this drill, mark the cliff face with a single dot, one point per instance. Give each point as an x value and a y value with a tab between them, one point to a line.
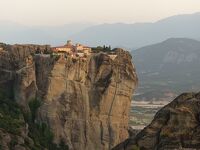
176	126
88	101
17	68
85	102
17	82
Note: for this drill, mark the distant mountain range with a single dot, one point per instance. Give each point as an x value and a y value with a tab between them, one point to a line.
168	68
131	36
12	33
141	34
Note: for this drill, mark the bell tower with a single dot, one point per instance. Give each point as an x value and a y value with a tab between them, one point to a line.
69	43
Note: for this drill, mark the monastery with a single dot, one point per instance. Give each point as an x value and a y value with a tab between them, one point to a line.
72	50
1	49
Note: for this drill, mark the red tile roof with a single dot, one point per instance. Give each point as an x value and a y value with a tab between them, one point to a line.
66	46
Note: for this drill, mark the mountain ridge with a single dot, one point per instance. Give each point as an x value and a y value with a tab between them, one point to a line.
140	34
170	66
131	36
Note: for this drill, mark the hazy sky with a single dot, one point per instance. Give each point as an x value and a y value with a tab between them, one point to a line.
58	12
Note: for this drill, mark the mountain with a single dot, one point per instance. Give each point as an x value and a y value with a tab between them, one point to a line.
49	101
141	34
12	33
171	67
130	36
175	127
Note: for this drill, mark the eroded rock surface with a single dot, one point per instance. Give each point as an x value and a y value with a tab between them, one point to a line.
176	126
88	101
85	102
17	69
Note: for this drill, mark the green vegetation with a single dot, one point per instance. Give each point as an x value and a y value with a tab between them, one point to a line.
40	132
13	119
41	135
101	49
2	45
34	105
135	147
164	134
48	51
13	143
56	57
63	146
45	51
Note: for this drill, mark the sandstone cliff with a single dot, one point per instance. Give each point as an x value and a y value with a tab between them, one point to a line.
176	126
88	101
85	102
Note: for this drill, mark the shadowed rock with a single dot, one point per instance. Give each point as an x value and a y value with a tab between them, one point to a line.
175	126
85	102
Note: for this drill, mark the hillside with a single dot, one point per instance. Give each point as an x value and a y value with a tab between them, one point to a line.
13	33
141	34
170	67
130	36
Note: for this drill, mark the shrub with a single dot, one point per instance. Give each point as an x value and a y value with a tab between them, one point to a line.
11	118
12	143
40	132
135	147
62	146
34	105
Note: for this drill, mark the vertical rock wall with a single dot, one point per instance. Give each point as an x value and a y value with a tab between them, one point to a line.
88	101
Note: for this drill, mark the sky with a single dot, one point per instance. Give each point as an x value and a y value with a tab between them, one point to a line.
60	12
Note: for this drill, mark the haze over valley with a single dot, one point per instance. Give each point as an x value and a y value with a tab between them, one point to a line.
99	75
167	69
130	36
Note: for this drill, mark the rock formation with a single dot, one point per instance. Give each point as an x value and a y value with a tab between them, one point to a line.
176	126
85	102
17	67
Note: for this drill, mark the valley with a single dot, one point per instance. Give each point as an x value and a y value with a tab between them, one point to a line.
142	113
167	69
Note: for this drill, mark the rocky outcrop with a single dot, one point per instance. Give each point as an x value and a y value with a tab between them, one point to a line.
88	101
18	66
85	102
176	126
13	141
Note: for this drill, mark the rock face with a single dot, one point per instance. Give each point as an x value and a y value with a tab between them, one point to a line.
17	68
176	126
85	102
17	140
88	101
